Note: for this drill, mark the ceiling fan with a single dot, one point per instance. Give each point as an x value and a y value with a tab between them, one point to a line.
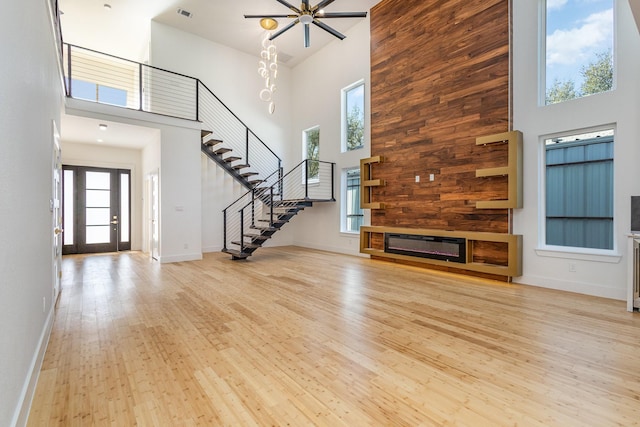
306	15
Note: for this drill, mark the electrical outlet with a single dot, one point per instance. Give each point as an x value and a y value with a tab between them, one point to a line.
417	178
44	304
431	177
572	267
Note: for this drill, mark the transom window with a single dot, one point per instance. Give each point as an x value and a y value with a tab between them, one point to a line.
579	48
353	116
311	152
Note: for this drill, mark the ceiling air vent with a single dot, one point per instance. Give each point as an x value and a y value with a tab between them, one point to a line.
185	13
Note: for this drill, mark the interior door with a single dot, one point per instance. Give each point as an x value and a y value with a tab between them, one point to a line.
154	232
100	212
56	213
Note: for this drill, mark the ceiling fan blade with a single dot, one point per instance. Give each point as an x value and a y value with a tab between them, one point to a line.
270	16
329	29
290	6
343	15
307	37
322	4
274	35
305	5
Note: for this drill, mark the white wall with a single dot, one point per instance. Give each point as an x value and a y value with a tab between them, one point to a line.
338	65
180	195
77	154
31	99
232	76
594	274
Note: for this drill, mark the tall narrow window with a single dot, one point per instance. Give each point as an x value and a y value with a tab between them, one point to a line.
353	116
353	215
579	190
579	48
311	152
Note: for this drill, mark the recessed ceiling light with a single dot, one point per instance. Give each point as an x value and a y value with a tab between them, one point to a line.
102	126
185	13
100	140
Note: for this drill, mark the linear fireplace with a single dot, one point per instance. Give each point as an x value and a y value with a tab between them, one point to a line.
435	247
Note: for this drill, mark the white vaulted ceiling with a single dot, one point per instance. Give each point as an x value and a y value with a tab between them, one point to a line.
123	30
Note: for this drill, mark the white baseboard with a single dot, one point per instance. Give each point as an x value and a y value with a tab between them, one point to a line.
197	256
21	415
208	249
576	287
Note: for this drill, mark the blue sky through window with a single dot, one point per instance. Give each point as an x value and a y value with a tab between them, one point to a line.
576	31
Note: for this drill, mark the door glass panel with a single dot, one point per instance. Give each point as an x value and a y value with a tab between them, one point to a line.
98	198
69	208
98	234
98	180
124	207
98	216
98	201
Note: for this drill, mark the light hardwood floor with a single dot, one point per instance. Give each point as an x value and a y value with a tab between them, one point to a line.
301	337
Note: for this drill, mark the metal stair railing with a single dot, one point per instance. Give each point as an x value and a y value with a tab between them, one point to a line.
103	78
259	209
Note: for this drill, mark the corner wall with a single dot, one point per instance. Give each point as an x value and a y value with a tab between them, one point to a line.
321	78
595	274
31	96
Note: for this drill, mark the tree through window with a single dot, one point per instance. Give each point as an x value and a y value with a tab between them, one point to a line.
579	48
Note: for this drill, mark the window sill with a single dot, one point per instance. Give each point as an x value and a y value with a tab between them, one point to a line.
595	255
351	234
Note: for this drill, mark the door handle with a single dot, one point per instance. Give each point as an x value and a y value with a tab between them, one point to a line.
57	230
115	221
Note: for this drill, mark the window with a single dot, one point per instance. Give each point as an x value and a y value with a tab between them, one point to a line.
579	48
311	151
353	116
579	190
95	92
352	214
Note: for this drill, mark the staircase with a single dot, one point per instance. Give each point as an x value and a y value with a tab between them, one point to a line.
216	151
262	211
272	199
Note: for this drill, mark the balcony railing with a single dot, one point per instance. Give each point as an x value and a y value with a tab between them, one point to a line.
108	79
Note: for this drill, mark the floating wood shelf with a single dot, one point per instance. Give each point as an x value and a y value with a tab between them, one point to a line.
366	183
513	170
513	267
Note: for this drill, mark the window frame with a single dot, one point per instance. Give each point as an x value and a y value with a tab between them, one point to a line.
344	212
305	134
542	55
343	115
555	250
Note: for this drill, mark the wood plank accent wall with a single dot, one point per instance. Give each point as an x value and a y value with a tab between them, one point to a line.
439	79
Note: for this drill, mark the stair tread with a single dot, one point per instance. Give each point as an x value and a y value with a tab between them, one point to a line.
211	142
257	236
204	132
221	150
275	221
238	167
248	174
248	245
257	227
230	159
236	253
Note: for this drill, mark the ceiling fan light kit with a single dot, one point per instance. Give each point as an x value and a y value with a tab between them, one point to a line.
306	15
